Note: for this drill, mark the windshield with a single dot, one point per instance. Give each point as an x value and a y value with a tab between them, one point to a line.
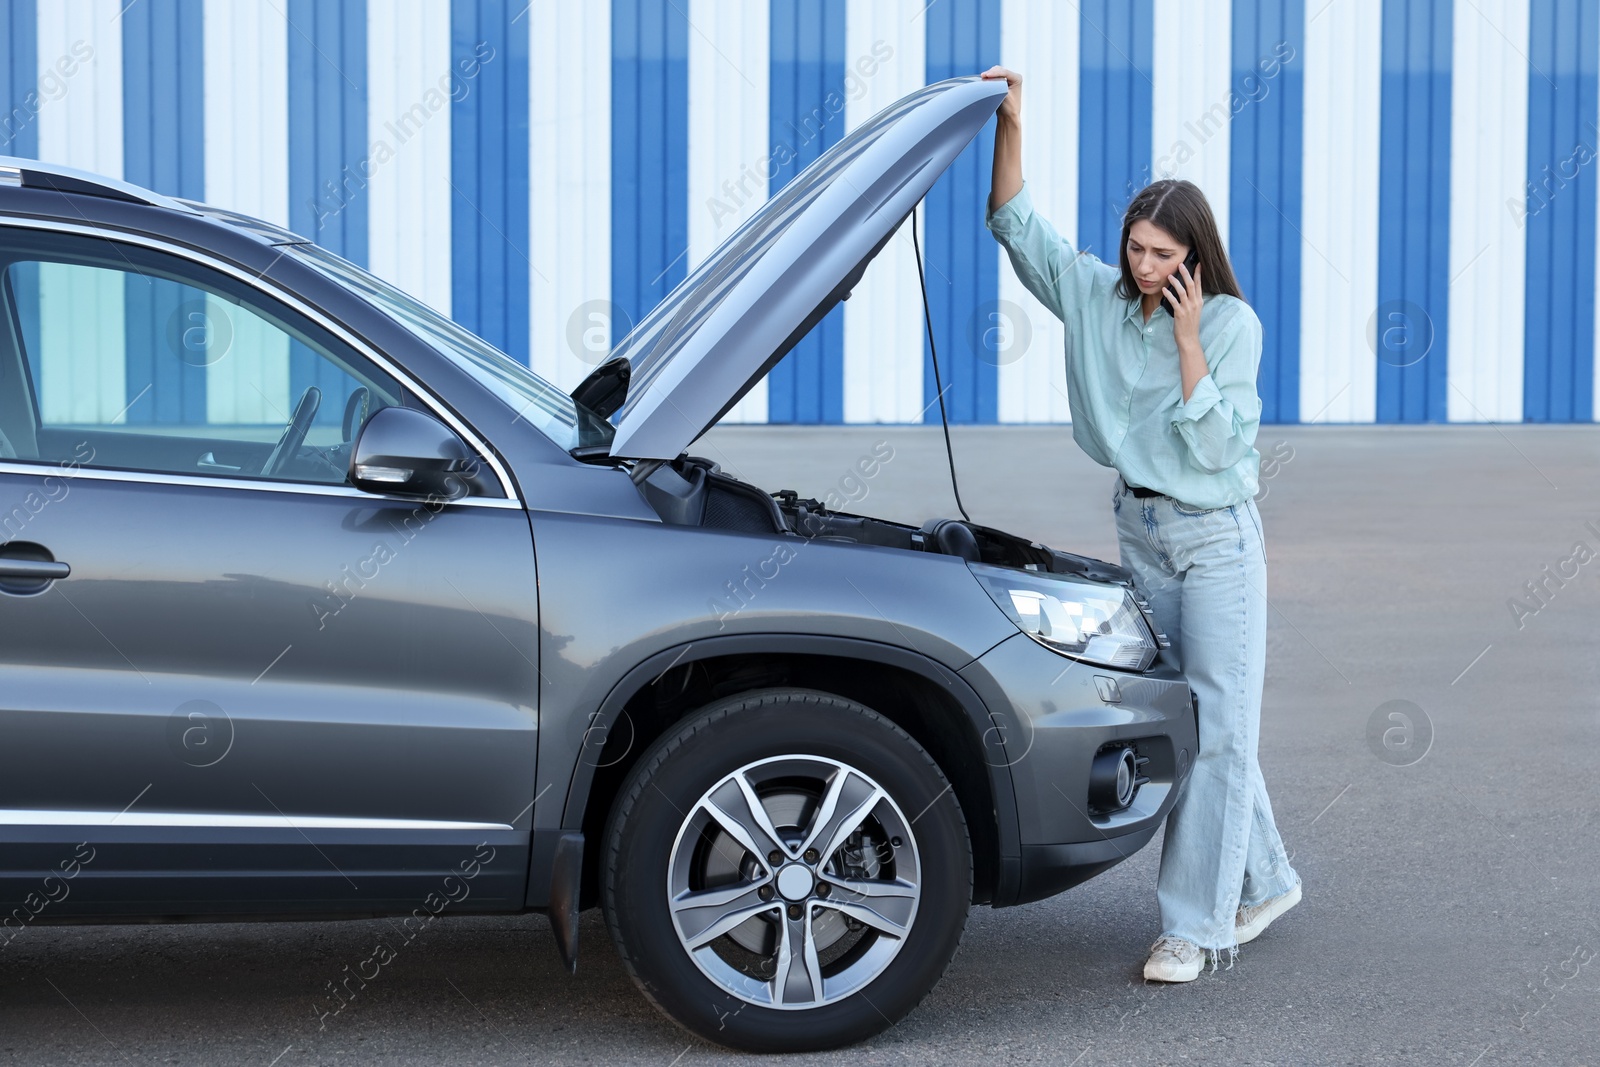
562	419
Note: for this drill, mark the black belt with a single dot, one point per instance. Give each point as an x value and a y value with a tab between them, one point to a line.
1141	491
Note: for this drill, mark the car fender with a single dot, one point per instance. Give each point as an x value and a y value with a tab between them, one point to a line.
989	725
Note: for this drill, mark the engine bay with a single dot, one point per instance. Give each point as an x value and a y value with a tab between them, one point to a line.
693	491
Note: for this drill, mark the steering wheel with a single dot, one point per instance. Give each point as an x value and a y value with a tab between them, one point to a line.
294	434
355	411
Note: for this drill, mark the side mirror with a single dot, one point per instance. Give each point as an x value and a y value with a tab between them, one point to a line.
409	452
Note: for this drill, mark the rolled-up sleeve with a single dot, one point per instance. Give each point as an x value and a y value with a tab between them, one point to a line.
1219	421
1047	263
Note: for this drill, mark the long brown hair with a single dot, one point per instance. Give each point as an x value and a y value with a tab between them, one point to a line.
1180	208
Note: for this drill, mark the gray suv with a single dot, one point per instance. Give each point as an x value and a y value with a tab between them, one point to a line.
315	605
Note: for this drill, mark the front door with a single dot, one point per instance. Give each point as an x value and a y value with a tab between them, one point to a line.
235	682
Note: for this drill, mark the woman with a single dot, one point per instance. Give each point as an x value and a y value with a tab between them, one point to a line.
1168	398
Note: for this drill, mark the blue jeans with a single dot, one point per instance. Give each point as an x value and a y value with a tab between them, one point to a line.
1205	575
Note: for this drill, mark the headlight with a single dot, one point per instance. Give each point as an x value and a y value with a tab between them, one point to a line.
1088	621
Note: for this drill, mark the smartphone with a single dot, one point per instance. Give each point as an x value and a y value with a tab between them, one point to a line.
1190	261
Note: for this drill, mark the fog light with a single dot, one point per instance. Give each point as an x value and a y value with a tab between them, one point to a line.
1114	778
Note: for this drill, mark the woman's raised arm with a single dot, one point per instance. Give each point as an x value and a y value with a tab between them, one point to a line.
1007	179
1048	265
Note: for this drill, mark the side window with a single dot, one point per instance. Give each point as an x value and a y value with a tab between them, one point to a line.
141	361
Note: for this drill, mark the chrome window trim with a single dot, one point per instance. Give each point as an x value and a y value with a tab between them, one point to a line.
288	297
54	817
72	472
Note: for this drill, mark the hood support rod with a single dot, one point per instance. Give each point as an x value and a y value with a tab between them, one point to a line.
933	352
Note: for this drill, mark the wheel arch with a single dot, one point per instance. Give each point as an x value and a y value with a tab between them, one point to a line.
920	695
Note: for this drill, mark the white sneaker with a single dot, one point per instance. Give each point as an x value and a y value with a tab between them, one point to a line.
1172	959
1249	923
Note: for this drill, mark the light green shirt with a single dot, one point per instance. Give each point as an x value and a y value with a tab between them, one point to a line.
1124	385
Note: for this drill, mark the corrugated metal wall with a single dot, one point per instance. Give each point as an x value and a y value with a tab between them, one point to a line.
488	173
1559	379
1267	86
1488	249
1407	186
806	101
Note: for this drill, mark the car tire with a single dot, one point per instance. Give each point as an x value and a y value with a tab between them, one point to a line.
679	869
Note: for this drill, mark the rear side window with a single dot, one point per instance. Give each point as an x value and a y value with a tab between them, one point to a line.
143	361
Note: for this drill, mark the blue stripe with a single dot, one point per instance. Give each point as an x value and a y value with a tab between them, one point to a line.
328	162
1115	87
807	102
963	271
19	48
163	89
649	153
489	172
1563	121
163	129
1411	321
19	136
1265	187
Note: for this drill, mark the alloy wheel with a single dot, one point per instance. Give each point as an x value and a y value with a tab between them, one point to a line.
794	881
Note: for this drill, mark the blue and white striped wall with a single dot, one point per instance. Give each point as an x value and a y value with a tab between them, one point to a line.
1407	187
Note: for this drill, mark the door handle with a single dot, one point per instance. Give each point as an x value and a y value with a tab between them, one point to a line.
208	462
37	570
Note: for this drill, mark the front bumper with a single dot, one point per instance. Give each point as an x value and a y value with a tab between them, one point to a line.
1051	716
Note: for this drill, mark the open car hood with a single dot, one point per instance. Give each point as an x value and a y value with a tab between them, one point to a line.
725	325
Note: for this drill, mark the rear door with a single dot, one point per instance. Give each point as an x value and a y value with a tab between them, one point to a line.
237	683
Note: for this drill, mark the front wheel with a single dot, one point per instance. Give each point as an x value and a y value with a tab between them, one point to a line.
786	871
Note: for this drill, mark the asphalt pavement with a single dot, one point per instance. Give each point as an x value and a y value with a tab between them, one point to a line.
1450	856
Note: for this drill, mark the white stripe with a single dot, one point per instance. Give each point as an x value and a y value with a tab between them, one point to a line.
569	175
409	85
1042	44
729	135
247	170
247	109
83	366
82	125
1488	244
1339	222
883	324
1193	101
22	817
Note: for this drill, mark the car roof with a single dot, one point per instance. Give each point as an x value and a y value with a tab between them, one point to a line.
78	189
